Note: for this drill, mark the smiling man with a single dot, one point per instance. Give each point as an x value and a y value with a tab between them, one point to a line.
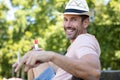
82	57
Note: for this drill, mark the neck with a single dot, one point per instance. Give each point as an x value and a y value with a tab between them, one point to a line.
72	40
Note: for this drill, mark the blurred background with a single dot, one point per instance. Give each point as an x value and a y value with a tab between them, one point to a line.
22	21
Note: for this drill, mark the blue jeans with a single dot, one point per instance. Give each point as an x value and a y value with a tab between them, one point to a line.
48	74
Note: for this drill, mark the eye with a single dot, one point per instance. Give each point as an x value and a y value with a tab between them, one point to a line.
74	19
65	19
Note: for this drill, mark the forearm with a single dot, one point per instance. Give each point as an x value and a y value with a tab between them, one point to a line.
76	67
87	67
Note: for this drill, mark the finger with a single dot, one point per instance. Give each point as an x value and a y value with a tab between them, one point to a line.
35	65
22	62
19	66
32	60
29	60
27	67
15	65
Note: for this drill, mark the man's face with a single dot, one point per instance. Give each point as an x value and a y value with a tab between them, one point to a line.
73	26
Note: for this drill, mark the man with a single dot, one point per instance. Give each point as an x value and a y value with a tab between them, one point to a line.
82	57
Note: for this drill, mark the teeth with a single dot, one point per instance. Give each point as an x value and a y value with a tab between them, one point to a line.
69	30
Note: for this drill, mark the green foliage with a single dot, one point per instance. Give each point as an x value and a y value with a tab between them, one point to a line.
33	20
108	37
107	29
39	19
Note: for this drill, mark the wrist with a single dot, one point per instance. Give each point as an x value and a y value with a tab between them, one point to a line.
52	55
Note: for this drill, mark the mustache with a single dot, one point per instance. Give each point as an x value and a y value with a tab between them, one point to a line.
70	28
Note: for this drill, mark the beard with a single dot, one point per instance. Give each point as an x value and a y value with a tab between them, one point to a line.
73	32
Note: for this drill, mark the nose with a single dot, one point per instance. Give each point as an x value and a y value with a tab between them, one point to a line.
67	24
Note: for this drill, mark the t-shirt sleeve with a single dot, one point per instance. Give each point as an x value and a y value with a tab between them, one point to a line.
86	45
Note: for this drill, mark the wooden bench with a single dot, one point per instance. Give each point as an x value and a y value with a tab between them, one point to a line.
106	75
110	75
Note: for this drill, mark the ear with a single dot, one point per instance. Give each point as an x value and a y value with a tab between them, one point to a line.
86	23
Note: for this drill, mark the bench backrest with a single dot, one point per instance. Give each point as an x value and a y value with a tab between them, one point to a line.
106	75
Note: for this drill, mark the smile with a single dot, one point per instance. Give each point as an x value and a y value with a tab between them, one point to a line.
69	31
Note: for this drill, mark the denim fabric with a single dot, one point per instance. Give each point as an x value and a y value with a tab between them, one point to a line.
48	74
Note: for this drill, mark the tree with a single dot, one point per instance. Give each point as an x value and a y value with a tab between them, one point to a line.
106	28
32	21
39	19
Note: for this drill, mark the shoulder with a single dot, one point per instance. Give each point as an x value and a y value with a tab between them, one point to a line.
87	43
86	39
85	36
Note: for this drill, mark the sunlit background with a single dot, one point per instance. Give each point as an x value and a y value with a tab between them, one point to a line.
22	21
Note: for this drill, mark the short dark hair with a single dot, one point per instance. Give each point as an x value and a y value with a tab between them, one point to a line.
84	17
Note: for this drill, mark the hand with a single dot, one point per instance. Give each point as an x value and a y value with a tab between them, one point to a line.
31	59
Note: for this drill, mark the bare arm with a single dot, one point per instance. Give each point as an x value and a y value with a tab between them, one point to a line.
87	67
